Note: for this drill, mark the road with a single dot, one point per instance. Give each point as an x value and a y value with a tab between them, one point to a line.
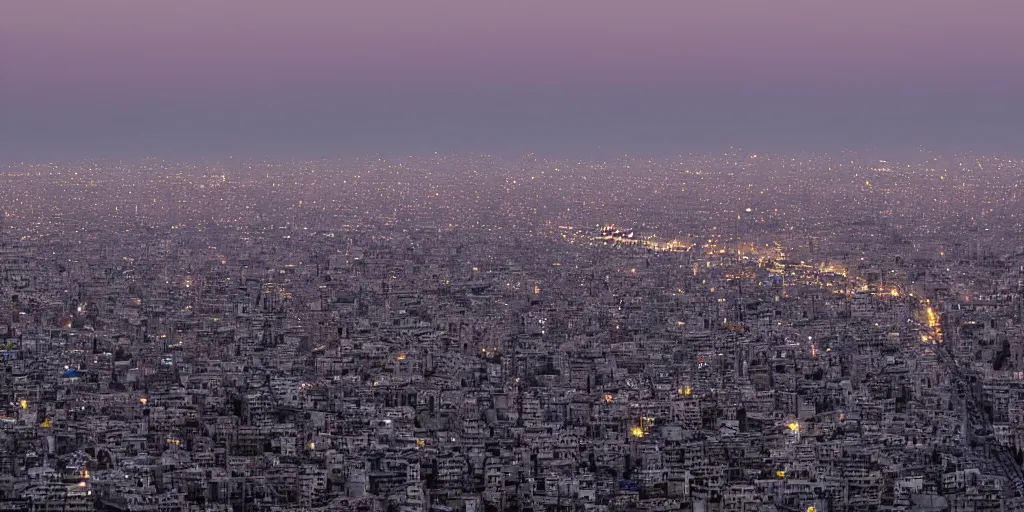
979	427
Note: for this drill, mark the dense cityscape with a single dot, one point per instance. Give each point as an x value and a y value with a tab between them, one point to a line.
730	332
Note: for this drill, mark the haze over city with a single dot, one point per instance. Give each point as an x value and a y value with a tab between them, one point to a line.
471	256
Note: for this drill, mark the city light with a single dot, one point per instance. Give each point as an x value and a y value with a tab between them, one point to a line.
547	302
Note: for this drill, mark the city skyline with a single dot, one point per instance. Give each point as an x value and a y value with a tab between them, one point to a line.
470	256
478	334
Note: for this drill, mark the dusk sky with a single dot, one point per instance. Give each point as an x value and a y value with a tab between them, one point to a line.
325	78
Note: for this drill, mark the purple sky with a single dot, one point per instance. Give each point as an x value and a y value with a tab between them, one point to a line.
106	77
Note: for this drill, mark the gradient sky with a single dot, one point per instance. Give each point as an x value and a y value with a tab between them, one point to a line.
334	77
